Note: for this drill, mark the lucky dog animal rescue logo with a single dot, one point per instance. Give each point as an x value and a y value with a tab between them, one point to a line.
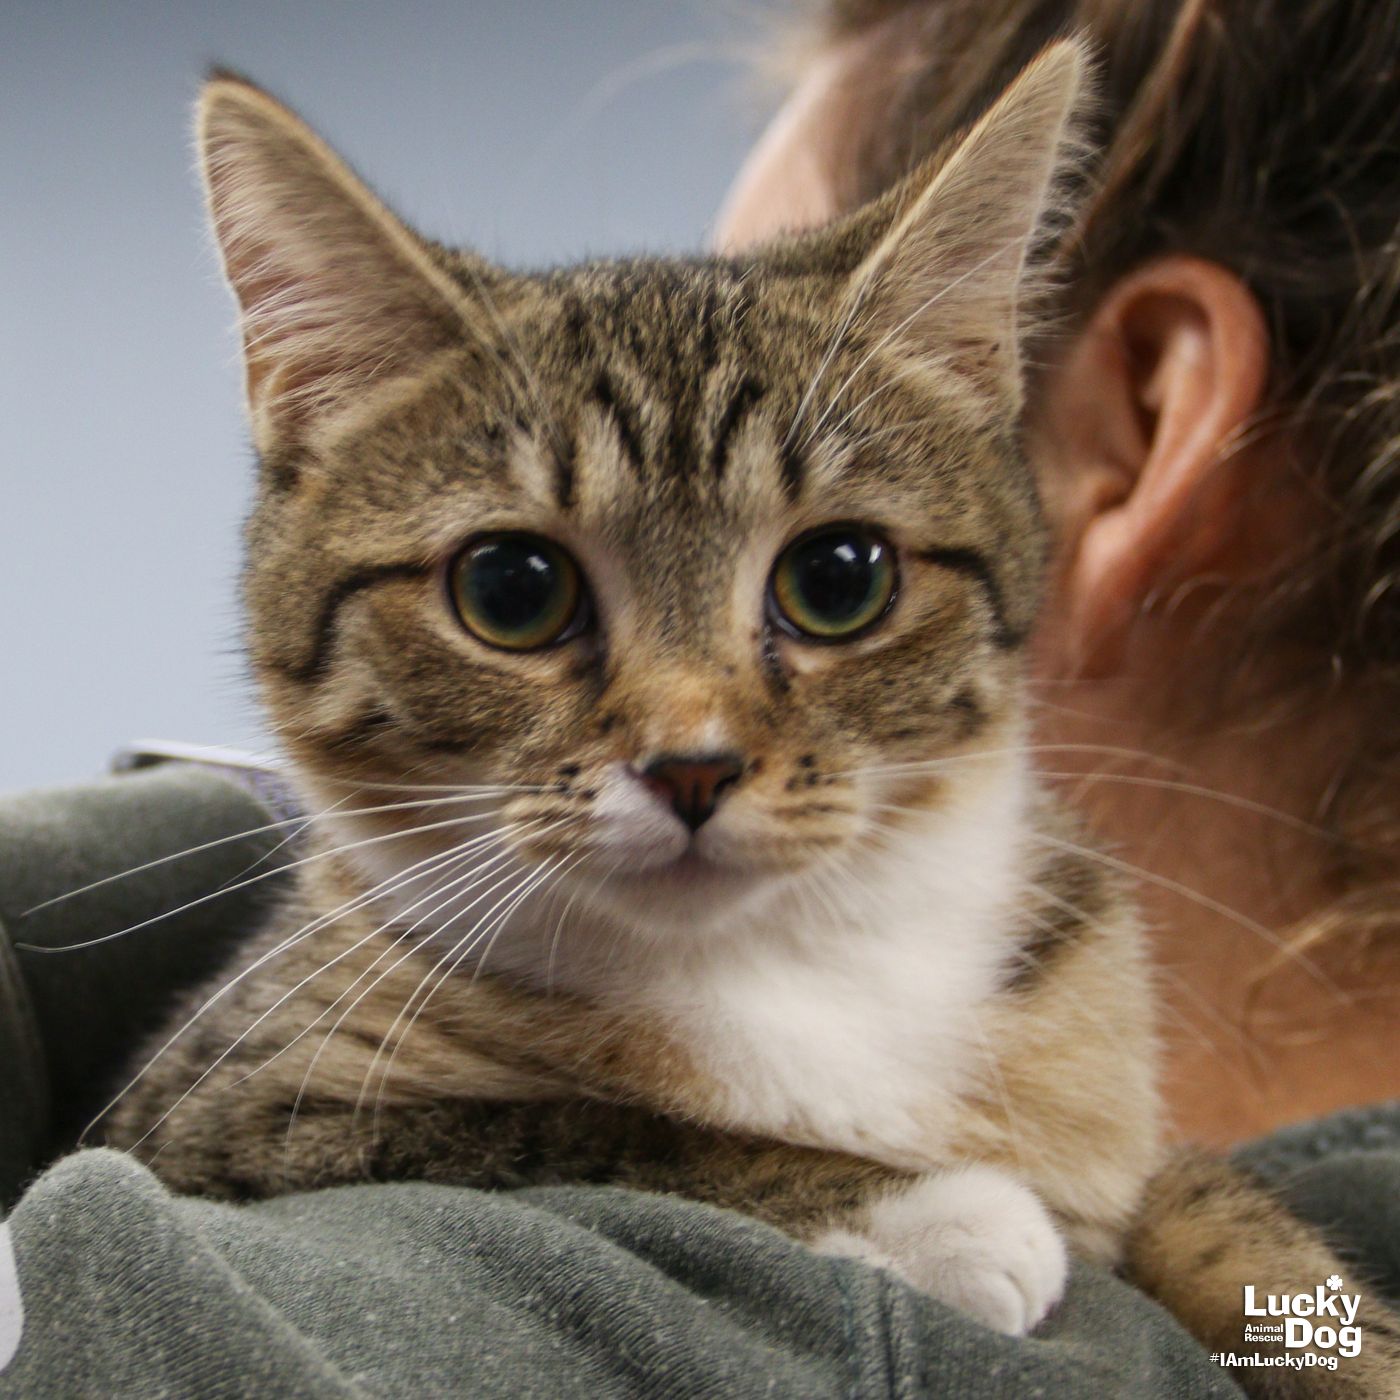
1298	1330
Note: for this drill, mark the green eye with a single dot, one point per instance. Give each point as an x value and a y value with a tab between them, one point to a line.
518	592
832	584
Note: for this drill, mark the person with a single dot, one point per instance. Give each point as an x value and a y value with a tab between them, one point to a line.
1213	425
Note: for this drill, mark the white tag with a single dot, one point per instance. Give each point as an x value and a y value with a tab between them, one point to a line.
11	1304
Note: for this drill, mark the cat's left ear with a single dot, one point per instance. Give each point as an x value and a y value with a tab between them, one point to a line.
951	273
335	293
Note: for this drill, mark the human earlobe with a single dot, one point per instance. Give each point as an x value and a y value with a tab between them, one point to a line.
1150	467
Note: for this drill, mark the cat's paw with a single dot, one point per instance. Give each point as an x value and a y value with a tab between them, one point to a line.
847	1244
974	1238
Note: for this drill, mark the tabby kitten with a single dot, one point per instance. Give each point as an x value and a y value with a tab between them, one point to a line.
648	636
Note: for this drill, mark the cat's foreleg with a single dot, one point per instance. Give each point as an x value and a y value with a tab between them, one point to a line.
972	1236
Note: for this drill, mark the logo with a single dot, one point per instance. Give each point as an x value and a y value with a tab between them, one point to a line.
1324	1318
1300	1330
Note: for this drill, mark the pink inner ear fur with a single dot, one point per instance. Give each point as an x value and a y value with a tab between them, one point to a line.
334	291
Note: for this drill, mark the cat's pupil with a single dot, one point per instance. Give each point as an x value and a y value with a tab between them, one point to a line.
512	583
834	576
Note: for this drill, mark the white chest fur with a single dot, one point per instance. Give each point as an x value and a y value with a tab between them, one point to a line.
847	1014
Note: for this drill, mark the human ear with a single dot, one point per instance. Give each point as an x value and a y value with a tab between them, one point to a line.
1147	469
785	183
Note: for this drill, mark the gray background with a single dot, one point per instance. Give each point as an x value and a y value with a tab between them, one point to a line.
538	131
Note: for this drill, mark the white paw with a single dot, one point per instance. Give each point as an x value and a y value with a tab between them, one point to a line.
974	1238
846	1244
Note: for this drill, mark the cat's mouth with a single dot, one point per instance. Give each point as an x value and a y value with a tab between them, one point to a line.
694	869
689	873
688	868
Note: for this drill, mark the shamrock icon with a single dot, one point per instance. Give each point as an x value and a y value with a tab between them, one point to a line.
1335	1282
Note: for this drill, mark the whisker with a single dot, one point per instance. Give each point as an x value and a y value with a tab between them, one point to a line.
281	870
1225	799
1205	901
452	864
560	865
1165	882
898	330
559	929
440	860
1164	1008
403	957
1228	799
464	789
302	821
1009	751
452	861
462	949
888	430
837	339
890	381
533	390
349	906
1041	892
408	1006
471	880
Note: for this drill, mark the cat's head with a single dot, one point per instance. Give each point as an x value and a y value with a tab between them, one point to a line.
693	576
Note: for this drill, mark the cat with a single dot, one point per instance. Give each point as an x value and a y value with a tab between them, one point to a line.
648	636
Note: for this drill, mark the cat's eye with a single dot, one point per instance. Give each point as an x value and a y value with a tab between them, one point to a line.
519	592
831	584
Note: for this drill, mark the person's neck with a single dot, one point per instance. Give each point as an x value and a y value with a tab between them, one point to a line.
1259	1027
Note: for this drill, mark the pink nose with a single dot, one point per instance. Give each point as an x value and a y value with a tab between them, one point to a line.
693	784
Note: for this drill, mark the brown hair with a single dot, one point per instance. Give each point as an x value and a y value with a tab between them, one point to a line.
1264	136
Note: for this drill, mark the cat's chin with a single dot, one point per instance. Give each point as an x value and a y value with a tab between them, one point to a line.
687	870
691	889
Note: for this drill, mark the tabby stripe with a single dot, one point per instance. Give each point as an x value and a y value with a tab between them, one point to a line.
707	350
1038	948
750	391
360	732
974	566
680	443
773	670
606	396
564	475
447	743
1072	905
792	472
314	667
972	717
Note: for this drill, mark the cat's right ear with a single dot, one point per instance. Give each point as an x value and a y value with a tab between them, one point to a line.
335	293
